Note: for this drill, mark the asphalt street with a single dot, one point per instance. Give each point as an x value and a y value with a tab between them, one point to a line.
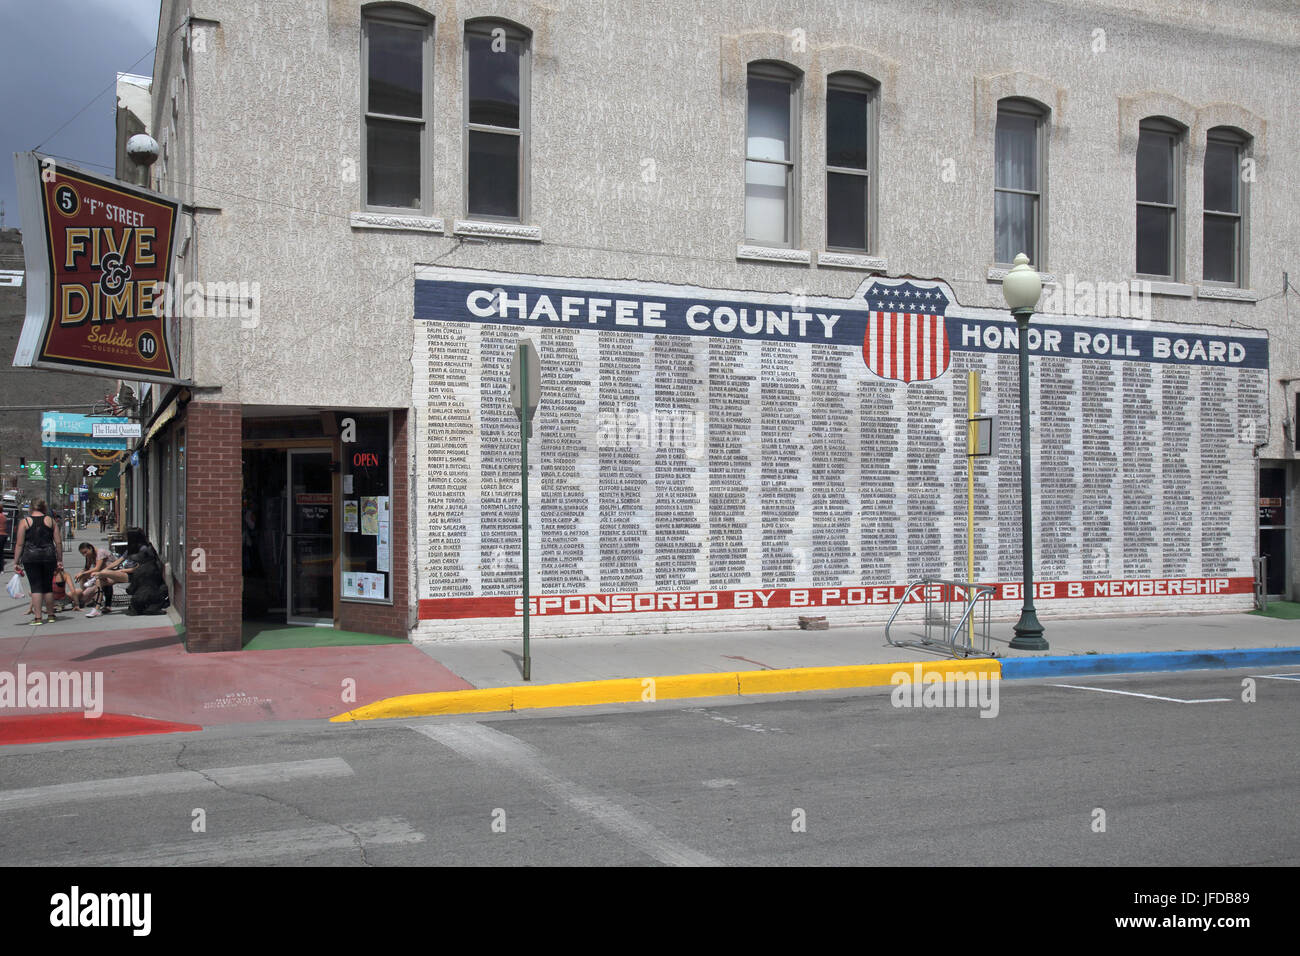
1186	774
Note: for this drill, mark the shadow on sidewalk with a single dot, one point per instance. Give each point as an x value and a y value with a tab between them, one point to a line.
128	647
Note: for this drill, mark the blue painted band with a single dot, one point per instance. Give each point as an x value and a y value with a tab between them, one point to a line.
1022	667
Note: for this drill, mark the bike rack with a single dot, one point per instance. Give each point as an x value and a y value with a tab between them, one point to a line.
940	600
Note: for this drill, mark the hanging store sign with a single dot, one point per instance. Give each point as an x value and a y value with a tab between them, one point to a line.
60	430
106	429
99	261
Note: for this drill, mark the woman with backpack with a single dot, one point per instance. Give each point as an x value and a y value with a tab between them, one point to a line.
37	554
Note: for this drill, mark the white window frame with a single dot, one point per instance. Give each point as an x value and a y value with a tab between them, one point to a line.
857	83
1229	136
1166	127
784	73
484	27
1040	115
400	16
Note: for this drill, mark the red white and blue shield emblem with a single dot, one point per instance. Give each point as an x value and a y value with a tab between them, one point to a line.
905	339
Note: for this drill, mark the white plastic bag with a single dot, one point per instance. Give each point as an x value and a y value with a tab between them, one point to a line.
15	587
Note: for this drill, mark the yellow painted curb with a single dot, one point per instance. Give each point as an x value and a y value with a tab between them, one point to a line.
862	675
696	685
628	690
481	701
622	691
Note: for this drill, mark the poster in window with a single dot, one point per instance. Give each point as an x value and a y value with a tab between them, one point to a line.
383	547
367	495
370	516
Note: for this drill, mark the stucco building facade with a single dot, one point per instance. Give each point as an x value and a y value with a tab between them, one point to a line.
370	185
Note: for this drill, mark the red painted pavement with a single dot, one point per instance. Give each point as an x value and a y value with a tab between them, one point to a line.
147	673
42	728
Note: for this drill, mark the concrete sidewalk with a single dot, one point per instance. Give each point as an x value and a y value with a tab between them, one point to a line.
148	676
499	663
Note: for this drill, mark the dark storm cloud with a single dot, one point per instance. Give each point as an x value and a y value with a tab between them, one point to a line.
55	55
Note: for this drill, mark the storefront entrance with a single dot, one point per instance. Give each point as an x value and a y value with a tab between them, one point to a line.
288	536
311	539
319	517
1275	527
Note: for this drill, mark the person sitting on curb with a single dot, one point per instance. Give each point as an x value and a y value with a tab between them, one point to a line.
67	596
97	560
119	572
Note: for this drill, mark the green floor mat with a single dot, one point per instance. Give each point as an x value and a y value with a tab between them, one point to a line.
267	637
1286	610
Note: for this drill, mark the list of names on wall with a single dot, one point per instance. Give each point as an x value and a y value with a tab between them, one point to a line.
674	463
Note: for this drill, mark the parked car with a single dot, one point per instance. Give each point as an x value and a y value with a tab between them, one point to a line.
11	510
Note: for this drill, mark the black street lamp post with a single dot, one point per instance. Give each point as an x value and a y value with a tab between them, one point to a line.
1021	288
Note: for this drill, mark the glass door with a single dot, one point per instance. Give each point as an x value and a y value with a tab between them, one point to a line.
1274	528
311	538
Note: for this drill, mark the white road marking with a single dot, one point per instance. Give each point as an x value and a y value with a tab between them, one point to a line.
206	851
1129	693
178	781
481	743
732	721
1295	677
719	784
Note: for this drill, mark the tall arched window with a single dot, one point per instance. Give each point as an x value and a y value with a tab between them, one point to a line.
1020	147
1159	198
396	96
772	154
850	162
1224	227
496	120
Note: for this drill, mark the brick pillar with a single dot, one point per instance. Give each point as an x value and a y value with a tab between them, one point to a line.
213	490
392	621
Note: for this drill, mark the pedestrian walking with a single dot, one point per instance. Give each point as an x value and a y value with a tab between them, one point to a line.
36	555
103	520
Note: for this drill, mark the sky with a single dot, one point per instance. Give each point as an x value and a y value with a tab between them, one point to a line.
57	56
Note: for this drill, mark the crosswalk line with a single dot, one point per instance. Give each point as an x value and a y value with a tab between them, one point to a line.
177	781
481	743
205	850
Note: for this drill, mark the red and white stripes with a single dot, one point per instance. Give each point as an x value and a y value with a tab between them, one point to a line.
907	346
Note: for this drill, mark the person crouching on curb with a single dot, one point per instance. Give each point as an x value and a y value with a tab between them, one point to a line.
97	560
119	572
36	554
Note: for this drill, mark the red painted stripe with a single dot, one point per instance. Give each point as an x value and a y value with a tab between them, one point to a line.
436	609
943	332
880	343
936	333
908	331
74	725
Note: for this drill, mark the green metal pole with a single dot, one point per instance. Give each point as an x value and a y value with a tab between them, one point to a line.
1029	633
523	481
